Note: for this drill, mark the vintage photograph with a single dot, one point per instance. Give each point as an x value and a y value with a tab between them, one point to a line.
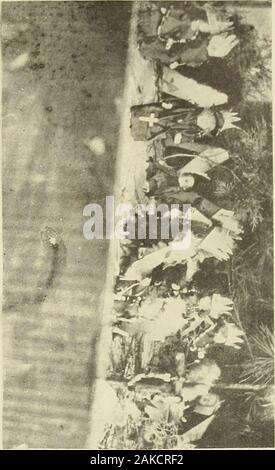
137	220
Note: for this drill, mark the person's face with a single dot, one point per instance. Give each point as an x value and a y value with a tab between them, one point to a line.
199	25
208	400
186	181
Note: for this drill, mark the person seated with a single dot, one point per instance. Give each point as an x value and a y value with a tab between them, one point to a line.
178	121
187	36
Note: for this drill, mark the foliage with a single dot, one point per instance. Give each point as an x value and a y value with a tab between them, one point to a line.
260	369
246	185
247	181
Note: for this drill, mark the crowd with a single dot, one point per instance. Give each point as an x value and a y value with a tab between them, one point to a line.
167	325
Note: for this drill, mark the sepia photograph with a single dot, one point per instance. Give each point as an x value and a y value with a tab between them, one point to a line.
137	226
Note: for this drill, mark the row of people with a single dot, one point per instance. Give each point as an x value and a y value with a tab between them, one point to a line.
188	114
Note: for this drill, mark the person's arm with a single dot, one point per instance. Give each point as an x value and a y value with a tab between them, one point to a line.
190	54
168	170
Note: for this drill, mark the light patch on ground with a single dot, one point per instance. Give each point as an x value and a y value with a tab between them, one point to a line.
96	145
19	62
38	178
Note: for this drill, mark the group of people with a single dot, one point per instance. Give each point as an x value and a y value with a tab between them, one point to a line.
186	118
184	36
178	127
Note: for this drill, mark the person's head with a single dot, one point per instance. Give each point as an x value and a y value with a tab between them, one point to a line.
207	404
185	180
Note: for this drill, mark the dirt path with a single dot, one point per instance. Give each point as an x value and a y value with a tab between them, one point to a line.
64	94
